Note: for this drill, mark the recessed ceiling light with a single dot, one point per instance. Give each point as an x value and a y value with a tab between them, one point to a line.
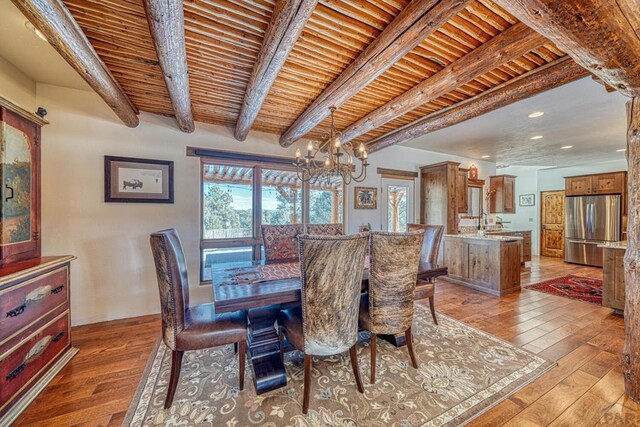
486	156
38	33
566	147
536	137
536	114
622	150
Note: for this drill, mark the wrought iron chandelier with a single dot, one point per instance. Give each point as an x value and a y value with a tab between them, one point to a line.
340	159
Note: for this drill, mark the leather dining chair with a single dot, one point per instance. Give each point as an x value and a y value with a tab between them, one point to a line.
429	253
184	327
326	324
388	306
280	242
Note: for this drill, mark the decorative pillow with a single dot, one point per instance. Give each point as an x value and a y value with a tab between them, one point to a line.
280	241
325	229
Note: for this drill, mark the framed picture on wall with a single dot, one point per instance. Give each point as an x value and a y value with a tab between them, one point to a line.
527	200
131	180
365	198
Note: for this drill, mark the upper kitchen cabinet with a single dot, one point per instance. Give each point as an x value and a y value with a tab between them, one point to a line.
604	183
502	191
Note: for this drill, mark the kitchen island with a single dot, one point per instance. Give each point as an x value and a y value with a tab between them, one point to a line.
489	263
613	290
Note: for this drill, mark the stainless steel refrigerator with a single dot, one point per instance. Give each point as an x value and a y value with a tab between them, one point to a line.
590	221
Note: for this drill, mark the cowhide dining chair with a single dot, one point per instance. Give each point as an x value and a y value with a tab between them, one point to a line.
326	324
184	327
280	242
388	306
429	253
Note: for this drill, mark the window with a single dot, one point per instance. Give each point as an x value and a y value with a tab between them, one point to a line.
281	197
239	196
227	208
326	202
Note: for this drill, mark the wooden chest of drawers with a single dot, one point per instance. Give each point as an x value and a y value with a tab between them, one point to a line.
35	320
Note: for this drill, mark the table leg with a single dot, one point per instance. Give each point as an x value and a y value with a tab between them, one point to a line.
264	351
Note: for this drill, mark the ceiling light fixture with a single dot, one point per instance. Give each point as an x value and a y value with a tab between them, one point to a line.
621	150
566	147
36	31
340	160
486	156
536	114
536	137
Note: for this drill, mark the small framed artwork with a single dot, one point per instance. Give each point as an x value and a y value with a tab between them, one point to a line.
365	198
527	200
131	180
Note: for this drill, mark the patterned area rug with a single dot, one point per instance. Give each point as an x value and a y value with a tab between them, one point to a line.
463	372
573	287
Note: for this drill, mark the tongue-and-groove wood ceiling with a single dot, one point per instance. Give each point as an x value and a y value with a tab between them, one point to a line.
223	39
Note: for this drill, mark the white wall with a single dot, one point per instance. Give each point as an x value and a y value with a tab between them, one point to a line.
114	275
16	87
533	180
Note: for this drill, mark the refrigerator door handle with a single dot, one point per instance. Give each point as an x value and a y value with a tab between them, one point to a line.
584	242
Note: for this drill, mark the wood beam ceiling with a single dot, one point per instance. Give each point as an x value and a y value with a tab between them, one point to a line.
414	24
557	73
506	46
54	20
601	35
288	20
166	22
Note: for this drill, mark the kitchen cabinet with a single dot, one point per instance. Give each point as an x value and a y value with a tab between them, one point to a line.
525	250
604	183
502	194
461	191
438	196
489	264
613	288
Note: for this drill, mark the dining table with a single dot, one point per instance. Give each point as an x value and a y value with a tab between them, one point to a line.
263	289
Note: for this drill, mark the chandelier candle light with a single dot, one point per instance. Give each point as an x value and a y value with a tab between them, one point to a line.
309	169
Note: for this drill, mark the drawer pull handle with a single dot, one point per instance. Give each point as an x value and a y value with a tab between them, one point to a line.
13	374
57	290
58	337
16	311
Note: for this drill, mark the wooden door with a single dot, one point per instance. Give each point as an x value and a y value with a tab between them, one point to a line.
552	224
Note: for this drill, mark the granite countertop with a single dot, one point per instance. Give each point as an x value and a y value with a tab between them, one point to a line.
614	245
508	230
488	237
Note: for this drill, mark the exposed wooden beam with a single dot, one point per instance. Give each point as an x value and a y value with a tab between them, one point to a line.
631	351
506	46
557	73
601	35
166	22
288	20
415	23
54	20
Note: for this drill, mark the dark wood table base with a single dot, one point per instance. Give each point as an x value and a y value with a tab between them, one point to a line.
264	349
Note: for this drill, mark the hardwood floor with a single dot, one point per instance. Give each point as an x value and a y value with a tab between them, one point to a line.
585	389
